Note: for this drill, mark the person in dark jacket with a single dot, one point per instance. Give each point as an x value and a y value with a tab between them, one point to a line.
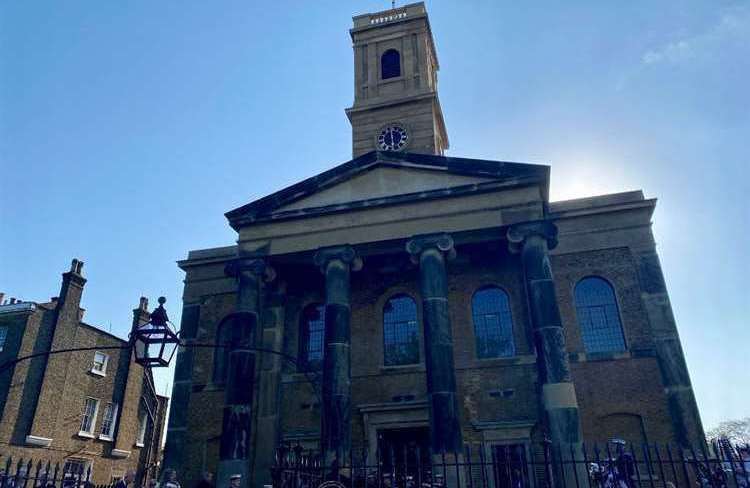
126	480
207	481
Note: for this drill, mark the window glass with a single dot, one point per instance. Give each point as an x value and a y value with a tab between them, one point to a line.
493	325
143	422
312	336
390	64
100	362
3	337
400	331
89	415
74	468
108	420
598	316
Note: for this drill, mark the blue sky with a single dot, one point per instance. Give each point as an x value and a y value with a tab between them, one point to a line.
127	129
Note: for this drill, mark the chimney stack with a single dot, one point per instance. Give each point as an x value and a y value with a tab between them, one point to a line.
140	313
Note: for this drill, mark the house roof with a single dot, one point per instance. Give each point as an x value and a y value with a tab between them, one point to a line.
495	172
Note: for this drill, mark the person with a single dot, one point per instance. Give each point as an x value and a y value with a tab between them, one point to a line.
171	479
207	481
126	480
235	480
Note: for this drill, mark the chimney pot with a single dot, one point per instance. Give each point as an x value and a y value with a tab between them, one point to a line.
12	300
2	296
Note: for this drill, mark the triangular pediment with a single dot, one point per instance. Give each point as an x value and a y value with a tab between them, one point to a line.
383	178
382	182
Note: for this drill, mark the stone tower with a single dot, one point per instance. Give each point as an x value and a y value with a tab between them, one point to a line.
396	105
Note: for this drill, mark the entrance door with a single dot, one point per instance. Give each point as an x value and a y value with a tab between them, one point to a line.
404	455
509	466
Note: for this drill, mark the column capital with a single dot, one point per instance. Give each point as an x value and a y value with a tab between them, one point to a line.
256	266
442	242
346	254
517	234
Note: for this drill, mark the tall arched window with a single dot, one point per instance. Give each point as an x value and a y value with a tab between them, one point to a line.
390	64
312	336
231	332
598	316
400	331
493	325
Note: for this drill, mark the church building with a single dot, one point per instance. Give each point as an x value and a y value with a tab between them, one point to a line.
408	298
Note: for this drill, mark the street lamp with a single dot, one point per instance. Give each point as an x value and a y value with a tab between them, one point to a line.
156	341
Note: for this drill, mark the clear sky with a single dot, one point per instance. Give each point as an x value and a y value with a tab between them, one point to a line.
127	129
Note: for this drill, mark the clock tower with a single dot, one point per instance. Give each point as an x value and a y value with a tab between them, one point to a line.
396	105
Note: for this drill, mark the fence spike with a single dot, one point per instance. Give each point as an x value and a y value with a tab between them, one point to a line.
635	463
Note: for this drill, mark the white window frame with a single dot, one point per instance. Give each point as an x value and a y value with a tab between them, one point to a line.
3	336
110	434
140	441
89	433
87	464
103	370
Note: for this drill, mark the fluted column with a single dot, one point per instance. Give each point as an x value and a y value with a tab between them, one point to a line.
336	263
234	447
430	252
533	241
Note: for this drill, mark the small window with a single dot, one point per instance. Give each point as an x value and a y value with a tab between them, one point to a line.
88	417
100	363
3	337
312	337
400	331
142	424
108	421
75	469
390	64
598	316
493	325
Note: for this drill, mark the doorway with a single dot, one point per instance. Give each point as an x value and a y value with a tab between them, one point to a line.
404	454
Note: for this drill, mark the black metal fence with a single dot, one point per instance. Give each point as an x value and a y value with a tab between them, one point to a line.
27	473
521	465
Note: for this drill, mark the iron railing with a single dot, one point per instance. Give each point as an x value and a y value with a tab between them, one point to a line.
28	473
520	465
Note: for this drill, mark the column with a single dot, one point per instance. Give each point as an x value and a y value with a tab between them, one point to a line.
430	252
686	421
533	240
235	442
336	263
267	430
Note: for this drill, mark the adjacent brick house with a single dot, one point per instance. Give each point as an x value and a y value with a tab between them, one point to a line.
95	408
423	300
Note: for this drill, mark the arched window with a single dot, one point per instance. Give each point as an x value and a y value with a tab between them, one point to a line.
231	332
598	316
493	325
312	336
390	64
400	331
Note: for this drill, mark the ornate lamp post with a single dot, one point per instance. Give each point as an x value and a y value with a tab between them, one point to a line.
156	341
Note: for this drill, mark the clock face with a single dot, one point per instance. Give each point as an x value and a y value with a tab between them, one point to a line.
392	137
